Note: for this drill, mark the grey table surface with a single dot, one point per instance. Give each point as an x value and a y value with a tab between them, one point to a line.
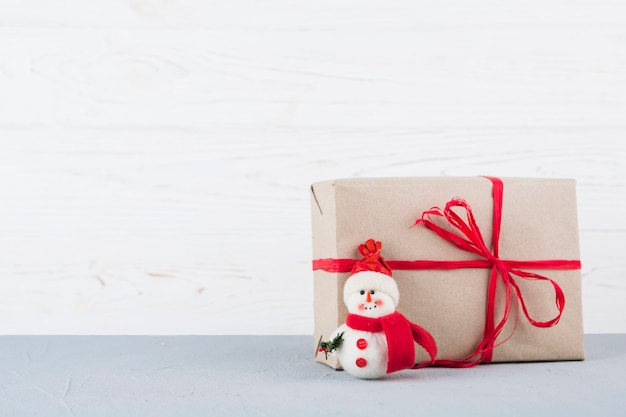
276	376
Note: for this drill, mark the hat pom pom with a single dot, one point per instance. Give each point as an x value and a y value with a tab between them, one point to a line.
371	261
370	248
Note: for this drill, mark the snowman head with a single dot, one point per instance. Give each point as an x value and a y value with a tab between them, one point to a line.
371	294
370	290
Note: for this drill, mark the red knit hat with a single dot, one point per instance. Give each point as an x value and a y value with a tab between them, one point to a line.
371	273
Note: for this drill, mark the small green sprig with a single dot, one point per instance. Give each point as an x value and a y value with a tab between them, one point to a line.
330	346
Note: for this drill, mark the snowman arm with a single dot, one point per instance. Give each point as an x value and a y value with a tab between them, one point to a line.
340	329
425	340
333	335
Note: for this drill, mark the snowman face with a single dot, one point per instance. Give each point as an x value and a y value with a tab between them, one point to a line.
370	303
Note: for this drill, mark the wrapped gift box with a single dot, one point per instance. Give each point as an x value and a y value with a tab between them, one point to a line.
539	223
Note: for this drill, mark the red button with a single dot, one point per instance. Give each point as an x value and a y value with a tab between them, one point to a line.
361	344
361	363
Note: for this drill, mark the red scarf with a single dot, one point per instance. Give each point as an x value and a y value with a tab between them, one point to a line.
400	334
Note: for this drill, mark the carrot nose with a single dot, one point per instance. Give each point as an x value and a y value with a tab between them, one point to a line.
369	297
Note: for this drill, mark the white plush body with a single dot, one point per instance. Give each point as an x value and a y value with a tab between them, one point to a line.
374	353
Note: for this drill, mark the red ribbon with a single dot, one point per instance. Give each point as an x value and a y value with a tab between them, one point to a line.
469	238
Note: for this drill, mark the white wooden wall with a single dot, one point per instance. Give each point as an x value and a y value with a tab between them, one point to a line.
156	155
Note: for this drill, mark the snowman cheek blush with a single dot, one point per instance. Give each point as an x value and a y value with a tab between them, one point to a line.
356	304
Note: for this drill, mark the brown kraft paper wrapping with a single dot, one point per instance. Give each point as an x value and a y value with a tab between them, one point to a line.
539	222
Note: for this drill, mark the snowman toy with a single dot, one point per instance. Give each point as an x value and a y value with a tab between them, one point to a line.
375	339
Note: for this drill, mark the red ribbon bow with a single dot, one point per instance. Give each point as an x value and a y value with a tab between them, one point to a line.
470	239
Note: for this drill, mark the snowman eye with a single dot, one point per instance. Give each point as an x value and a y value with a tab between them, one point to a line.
361	292
372	292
